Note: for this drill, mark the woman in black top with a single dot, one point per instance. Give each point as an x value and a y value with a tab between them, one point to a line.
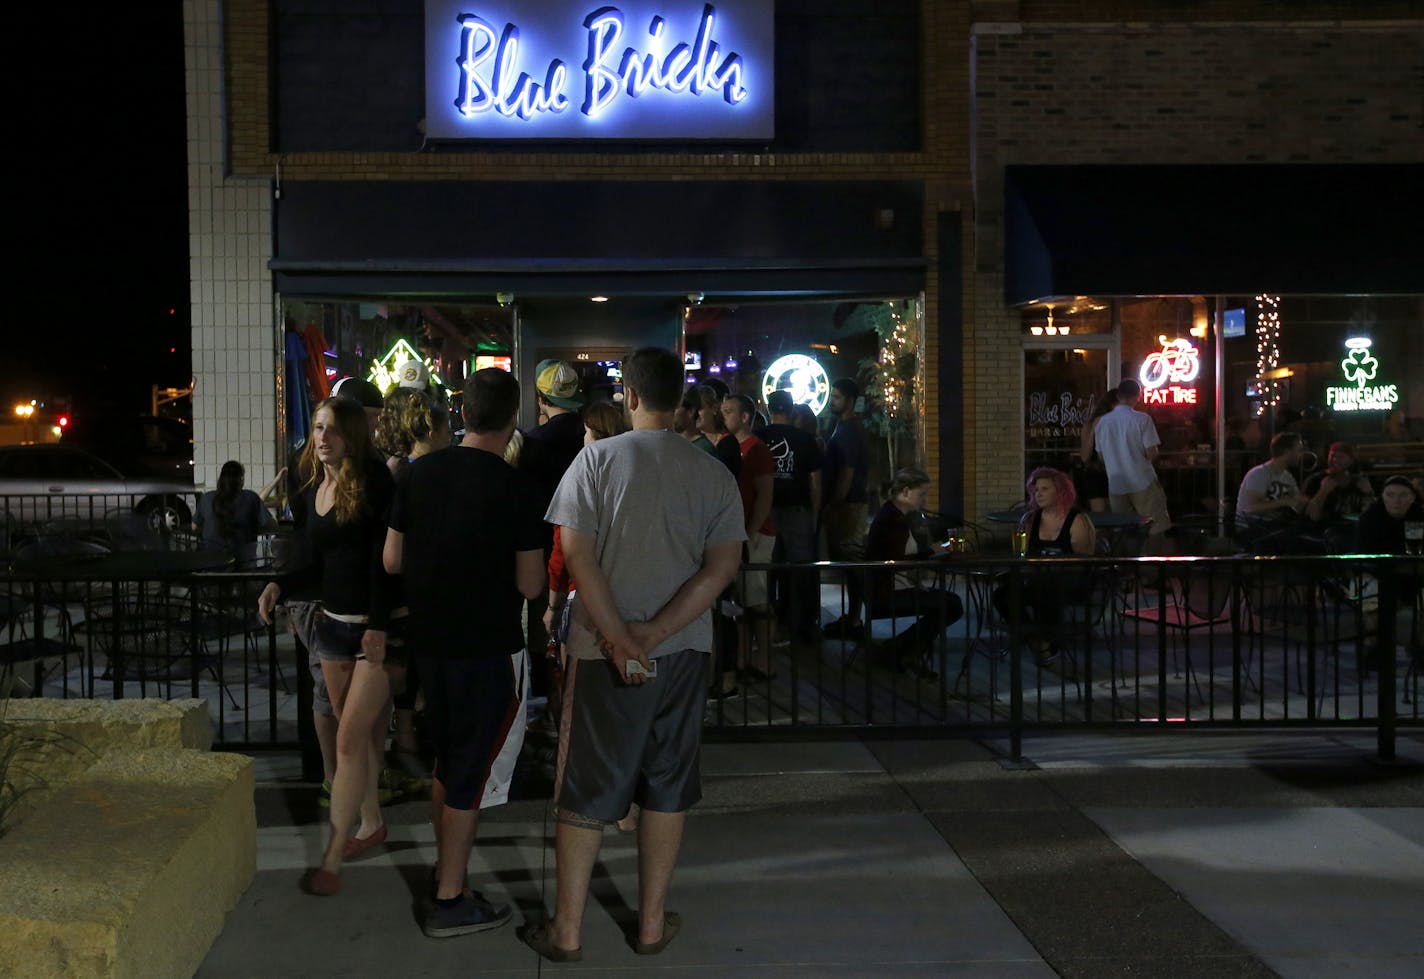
1056	527
413	423
903	594
347	493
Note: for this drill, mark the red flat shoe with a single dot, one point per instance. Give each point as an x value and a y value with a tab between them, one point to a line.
355	847
321	883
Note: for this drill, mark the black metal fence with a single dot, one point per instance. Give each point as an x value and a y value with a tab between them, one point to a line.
80	621
120	521
1105	642
966	642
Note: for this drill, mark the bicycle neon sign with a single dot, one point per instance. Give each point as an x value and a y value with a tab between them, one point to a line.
1166	373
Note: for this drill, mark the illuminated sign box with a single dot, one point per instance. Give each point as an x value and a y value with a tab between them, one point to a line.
1168	376
551	69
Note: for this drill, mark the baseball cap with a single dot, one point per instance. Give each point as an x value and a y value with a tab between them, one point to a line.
558	383
359	390
413	374
779	402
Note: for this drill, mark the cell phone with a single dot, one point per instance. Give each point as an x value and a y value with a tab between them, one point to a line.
634	668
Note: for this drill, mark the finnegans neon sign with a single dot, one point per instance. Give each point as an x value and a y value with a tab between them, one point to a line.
542	69
1167	374
1360	367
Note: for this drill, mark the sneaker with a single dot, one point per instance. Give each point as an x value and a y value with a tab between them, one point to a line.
396	785
469	914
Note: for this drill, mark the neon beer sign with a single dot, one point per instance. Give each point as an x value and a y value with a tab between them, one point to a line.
1360	367
550	69
802	377
1168	375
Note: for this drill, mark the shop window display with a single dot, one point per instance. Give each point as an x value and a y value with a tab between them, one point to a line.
329	340
805	347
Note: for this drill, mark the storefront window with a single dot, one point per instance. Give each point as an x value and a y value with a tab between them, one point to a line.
805	347
372	339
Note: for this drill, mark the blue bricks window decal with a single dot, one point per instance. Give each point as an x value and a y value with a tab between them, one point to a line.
665	69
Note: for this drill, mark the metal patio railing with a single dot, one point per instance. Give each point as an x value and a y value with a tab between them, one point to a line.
1127	643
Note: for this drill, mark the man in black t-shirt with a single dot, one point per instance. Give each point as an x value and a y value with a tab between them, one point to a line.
796	499
845	514
467	533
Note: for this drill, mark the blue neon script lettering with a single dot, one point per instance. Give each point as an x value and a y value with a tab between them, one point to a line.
490	78
697	68
507	93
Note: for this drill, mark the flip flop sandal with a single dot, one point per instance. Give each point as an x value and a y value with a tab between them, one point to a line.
537	938
672	922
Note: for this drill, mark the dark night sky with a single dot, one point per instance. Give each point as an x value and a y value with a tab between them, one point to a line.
101	202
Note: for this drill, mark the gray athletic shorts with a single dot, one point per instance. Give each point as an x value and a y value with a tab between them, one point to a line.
620	744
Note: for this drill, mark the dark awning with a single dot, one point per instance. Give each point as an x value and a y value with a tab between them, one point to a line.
348	238
1207	230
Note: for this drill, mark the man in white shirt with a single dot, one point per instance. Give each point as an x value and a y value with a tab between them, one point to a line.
1128	442
1270	503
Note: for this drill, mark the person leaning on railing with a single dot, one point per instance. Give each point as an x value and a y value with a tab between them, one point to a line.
905	594
1057	527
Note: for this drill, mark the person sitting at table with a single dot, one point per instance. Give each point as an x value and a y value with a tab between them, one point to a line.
1381	530
229	518
1057	527
1270	503
904	594
1341	491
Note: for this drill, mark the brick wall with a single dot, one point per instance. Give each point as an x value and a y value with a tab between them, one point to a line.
1179	93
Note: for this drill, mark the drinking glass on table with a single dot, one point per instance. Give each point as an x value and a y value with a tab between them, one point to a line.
1414	537
1020	542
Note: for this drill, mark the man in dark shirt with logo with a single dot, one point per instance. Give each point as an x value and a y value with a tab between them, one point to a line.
796	499
466	532
845	516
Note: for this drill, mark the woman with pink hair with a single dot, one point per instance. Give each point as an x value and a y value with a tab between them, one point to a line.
1056	527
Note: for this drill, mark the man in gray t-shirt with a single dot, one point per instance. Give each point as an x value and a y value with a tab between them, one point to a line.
652	532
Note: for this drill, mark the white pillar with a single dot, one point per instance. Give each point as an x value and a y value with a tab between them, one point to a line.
229	247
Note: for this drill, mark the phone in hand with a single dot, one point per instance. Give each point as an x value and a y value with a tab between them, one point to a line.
634	668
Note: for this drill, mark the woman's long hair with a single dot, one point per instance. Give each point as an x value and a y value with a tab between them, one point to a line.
409	416
1062	482
708	397
605	420
903	479
350	419
225	498
1105	404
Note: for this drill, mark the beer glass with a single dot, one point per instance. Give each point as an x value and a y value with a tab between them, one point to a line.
1020	542
1414	537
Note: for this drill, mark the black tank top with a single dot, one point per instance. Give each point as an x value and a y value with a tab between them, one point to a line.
1060	546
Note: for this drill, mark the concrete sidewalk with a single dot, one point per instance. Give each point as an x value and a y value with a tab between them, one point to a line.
1189	855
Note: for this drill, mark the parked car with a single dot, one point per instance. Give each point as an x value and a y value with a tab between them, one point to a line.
137	445
60	484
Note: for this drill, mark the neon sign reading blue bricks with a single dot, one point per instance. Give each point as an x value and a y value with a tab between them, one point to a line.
703	72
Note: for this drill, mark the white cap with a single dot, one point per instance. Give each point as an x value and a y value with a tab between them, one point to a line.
413	374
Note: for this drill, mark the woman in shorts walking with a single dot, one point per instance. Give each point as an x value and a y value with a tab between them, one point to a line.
348	494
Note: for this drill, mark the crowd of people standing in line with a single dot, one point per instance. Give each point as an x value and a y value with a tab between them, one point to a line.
620	530
619	543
